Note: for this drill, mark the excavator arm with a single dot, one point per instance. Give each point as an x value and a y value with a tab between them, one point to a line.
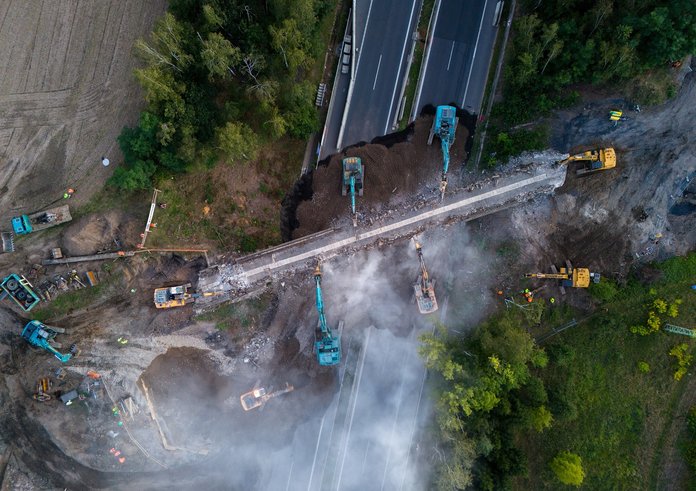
552	276
320	304
352	200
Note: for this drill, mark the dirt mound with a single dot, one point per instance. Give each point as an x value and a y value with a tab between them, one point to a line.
93	234
392	175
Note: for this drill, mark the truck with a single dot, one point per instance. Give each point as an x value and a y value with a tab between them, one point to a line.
26	224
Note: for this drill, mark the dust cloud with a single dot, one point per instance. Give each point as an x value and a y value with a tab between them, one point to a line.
383	394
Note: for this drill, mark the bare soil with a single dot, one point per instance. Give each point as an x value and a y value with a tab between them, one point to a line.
393	176
71	84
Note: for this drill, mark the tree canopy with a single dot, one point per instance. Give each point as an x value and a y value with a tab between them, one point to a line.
221	76
557	44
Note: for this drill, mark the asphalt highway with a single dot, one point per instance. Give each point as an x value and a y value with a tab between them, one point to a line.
459	55
384	42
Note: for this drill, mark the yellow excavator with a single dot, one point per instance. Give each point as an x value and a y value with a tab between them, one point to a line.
568	276
258	396
178	296
593	160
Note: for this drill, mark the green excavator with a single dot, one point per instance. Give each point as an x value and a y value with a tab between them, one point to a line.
353	180
327	344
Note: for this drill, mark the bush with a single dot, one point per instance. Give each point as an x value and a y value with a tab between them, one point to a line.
508	144
683	359
643	367
604	291
568	468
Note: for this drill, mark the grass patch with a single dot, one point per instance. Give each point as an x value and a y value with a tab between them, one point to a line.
240	319
653	87
607	409
418	53
68	302
505	144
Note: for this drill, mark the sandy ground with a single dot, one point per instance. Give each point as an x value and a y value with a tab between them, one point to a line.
66	91
196	372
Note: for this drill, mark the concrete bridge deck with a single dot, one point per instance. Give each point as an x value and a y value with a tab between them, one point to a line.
246	272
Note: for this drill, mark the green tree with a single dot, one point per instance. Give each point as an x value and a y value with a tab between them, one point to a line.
539	418
568	468
237	141
167	48
219	56
289	42
455	472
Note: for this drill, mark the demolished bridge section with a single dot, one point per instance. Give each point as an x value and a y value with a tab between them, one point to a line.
248	272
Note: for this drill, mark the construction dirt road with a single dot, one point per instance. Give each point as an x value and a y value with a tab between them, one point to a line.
162	411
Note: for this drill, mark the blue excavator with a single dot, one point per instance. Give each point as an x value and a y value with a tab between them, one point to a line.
445	127
328	345
353	178
42	336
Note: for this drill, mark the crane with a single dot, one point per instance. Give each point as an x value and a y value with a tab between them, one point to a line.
445	127
593	160
42	336
353	177
328	345
568	276
424	287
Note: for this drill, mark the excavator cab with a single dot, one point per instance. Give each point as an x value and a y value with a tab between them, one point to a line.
42	336
174	296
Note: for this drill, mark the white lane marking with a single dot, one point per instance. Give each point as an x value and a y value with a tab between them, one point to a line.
290	475
400	398
355	403
413	424
379	63
367	450
316	451
473	58
362	40
450	58
443	310
338	398
427	57
401	61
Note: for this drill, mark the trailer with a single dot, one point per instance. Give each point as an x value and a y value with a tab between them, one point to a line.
26	224
20	290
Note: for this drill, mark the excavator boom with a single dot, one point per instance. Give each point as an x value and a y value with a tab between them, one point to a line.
424	287
445	127
569	276
328	345
593	160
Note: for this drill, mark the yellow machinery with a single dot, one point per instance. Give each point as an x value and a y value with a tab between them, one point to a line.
43	386
257	397
178	296
424	287
568	276
593	160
